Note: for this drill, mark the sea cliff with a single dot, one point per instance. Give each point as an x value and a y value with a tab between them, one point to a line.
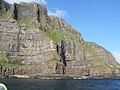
34	43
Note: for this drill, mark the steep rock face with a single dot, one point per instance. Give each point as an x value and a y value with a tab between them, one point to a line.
28	13
99	61
102	53
4	6
28	46
32	43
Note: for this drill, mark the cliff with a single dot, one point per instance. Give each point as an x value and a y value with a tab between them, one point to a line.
34	43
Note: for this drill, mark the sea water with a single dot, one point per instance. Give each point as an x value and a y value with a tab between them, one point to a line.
38	84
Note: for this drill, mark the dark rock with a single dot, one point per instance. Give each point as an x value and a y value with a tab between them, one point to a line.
4	7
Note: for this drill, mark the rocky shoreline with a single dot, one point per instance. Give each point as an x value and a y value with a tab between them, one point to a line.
60	77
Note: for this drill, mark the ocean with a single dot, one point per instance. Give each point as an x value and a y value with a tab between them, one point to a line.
38	84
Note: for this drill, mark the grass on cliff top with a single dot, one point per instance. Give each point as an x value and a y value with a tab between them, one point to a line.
53	36
27	21
8	65
23	21
49	32
14	66
70	36
106	63
7	61
57	37
88	48
45	30
2	13
2	56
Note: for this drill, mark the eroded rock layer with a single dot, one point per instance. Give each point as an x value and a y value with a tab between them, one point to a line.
34	43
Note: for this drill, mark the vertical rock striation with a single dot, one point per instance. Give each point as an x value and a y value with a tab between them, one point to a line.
34	43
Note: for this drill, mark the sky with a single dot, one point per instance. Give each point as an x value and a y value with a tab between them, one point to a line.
97	20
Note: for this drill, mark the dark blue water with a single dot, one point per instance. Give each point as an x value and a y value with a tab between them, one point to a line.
37	84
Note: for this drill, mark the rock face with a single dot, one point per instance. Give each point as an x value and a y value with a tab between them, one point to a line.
34	43
4	6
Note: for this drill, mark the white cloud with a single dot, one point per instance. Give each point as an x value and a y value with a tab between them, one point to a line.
116	54
43	2
58	12
18	1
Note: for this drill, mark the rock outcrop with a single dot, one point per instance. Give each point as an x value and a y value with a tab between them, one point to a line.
4	6
34	43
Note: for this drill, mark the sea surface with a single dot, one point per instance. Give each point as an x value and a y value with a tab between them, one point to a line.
37	84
